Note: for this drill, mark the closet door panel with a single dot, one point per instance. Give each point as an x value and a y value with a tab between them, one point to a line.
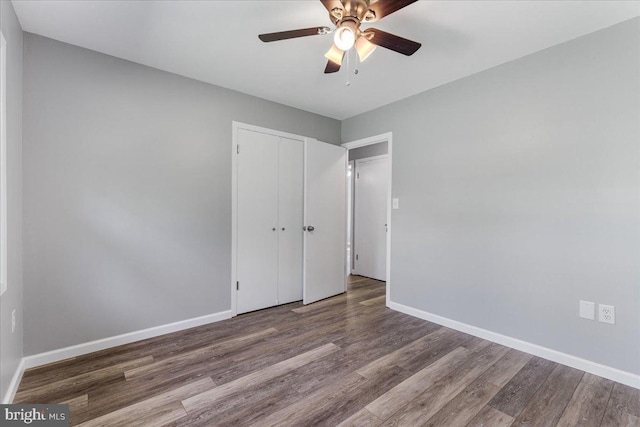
290	215
257	221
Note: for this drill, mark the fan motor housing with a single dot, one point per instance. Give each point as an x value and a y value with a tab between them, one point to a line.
354	10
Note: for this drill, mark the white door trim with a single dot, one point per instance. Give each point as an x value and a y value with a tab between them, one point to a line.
388	137
372	158
234	197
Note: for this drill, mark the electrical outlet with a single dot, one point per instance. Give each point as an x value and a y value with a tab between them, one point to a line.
13	321
587	310
607	314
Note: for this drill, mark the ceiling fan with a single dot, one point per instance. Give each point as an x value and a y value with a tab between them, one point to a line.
348	15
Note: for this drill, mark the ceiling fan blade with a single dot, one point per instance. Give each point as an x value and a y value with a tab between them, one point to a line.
283	35
331	4
383	8
393	42
331	67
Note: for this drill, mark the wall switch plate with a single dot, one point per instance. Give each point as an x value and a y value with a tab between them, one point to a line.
607	314
588	310
13	321
396	203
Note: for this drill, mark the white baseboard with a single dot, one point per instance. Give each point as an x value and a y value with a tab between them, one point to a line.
617	375
15	382
90	347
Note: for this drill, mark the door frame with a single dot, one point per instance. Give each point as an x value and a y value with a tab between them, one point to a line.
235	125
364	160
388	138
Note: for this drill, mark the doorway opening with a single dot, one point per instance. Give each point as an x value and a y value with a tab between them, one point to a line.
369	209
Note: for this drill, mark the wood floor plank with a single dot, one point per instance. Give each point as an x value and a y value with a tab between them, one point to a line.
278	348
199	354
547	405
122	393
77	383
407	352
631	421
489	417
624	404
323	305
501	373
429	402
435	351
517	393
203	399
384	406
333	404
476	344
466	405
77	407
260	400
161	416
291	415
362	418
339	407
373	301
588	404
157	411
77	403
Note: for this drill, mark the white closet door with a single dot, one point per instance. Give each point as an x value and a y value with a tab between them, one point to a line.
257	221
290	200
370	218
325	213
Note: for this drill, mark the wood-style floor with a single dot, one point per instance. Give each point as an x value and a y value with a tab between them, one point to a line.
344	361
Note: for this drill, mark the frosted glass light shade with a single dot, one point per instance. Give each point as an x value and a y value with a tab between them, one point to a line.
334	55
364	48
344	38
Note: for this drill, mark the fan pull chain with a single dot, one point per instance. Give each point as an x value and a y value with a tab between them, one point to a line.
357	60
348	83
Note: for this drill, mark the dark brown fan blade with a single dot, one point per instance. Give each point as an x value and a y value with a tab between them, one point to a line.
283	35
383	8
331	67
393	42
330	4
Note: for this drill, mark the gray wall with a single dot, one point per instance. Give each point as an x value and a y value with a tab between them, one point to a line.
11	343
127	192
519	195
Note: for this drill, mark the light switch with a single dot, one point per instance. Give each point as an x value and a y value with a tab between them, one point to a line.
396	203
587	310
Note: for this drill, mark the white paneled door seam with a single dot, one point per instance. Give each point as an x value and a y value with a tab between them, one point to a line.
269	220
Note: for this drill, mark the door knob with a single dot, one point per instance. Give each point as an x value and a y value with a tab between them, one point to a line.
282	228
310	228
274	229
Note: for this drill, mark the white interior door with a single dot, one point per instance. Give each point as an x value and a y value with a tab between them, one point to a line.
325	211
257	221
290	200
370	228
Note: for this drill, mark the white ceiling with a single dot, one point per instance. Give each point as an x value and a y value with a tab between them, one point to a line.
216	42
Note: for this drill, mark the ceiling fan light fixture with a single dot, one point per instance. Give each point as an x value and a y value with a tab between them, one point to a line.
335	55
344	37
364	48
